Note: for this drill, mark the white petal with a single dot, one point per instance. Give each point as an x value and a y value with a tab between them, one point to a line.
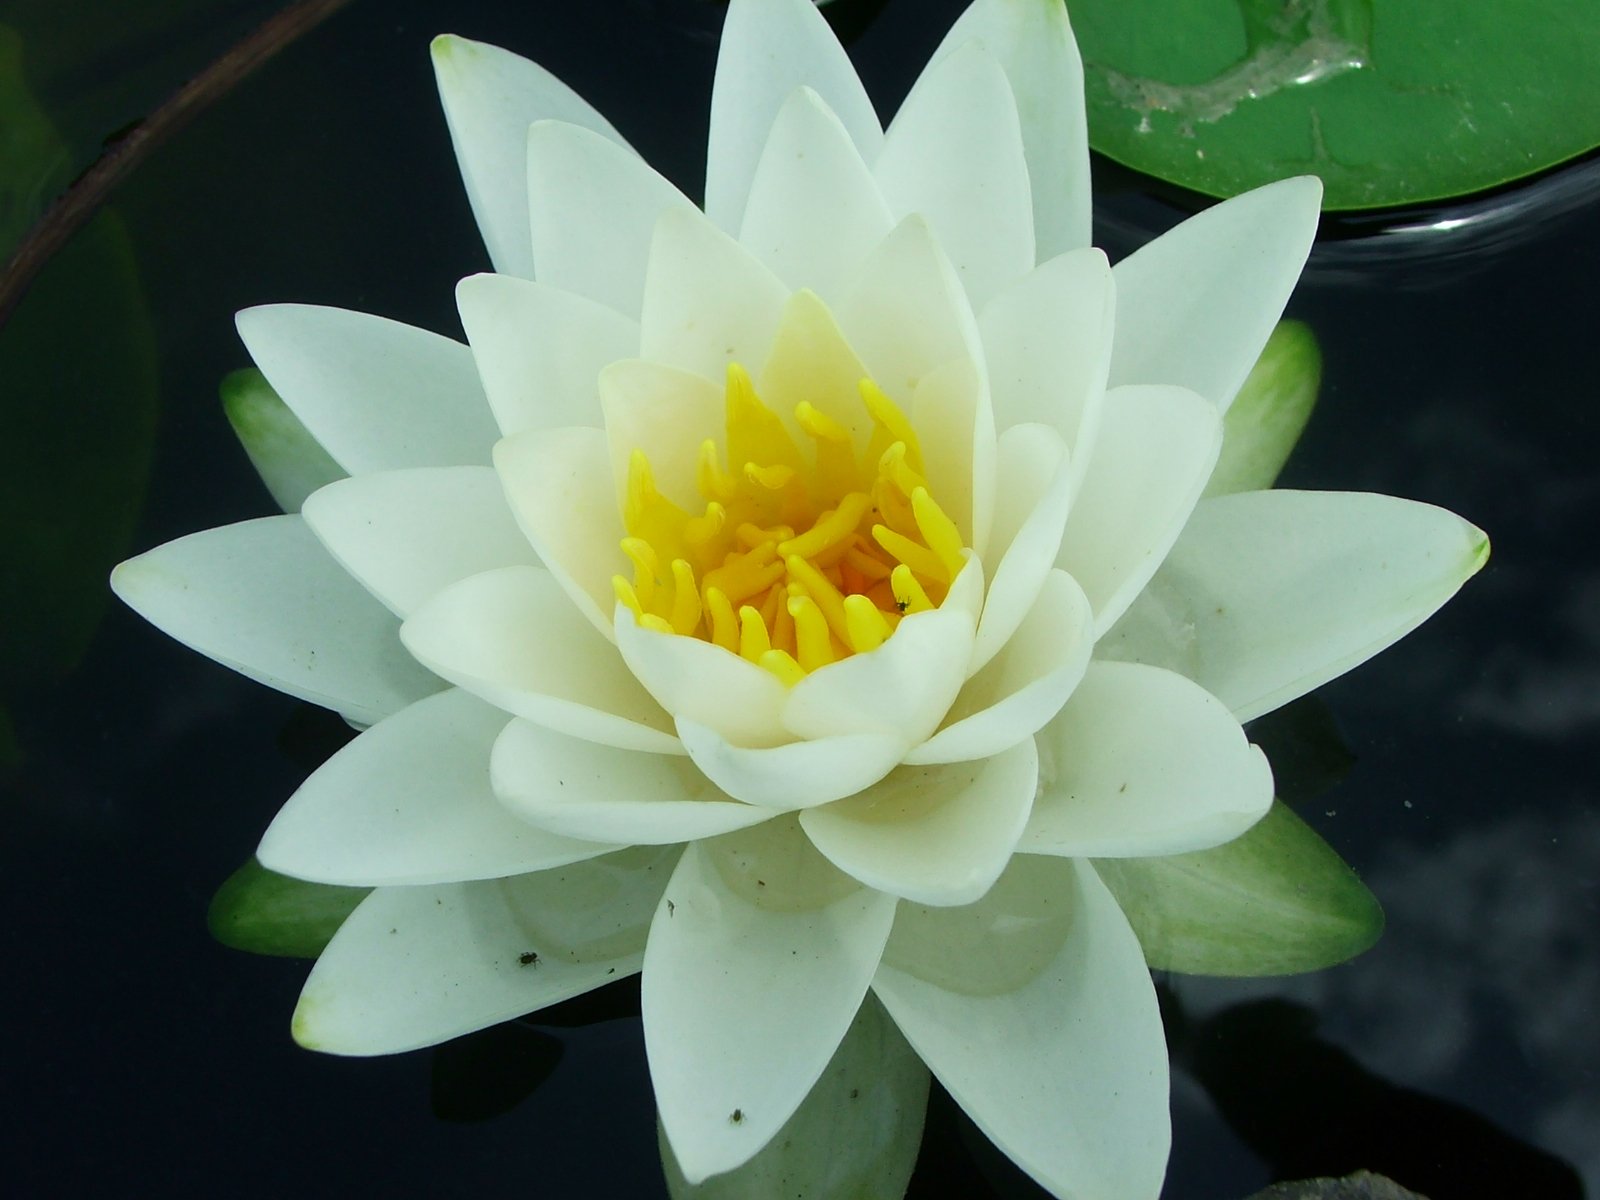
558	483
1035	46
769	48
1025	684
583	790
539	350
1270	594
593	206
490	98
416	966
1047	341
707	300
513	638
907	314
376	394
903	688
856	1134
811	360
932	834
407	534
598	908
954	155
408	802
1032	494
1067	1070
704	683
1156	448
909	320
728	981
265	598
667	412
814	211
1143	762
799	775
1195	306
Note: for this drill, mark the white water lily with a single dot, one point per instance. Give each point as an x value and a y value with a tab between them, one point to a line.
820	580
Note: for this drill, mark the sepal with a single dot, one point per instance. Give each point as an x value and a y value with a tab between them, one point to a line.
1276	901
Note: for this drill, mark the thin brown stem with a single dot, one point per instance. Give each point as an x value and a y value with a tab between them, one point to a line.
73	208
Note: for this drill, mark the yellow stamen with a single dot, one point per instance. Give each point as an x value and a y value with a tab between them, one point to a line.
939	531
714	483
776	614
867	627
836	456
724	625
626	595
821	590
700	530
751	535
755	432
815	649
892	466
892	425
774	478
919	558
893	507
831	528
646	567
870	566
783	666
685	598
908	594
753	640
802	554
743	575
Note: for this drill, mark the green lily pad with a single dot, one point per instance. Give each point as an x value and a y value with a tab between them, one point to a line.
1270	412
854	1137
1389	101
266	913
289	460
1277	901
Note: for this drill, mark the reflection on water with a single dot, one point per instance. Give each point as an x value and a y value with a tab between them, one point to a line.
1439	244
1312	1110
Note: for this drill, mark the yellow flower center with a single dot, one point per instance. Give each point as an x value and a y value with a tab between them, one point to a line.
798	560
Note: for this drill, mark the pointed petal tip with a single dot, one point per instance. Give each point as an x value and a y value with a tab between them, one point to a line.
247	319
448	49
124	578
478	279
301	1025
1480	548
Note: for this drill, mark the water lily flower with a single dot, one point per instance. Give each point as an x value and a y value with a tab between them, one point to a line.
788	597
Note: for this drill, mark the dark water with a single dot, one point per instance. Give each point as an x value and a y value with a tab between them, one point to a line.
1459	1056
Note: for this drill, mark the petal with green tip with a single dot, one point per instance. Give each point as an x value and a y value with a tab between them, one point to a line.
1270	594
